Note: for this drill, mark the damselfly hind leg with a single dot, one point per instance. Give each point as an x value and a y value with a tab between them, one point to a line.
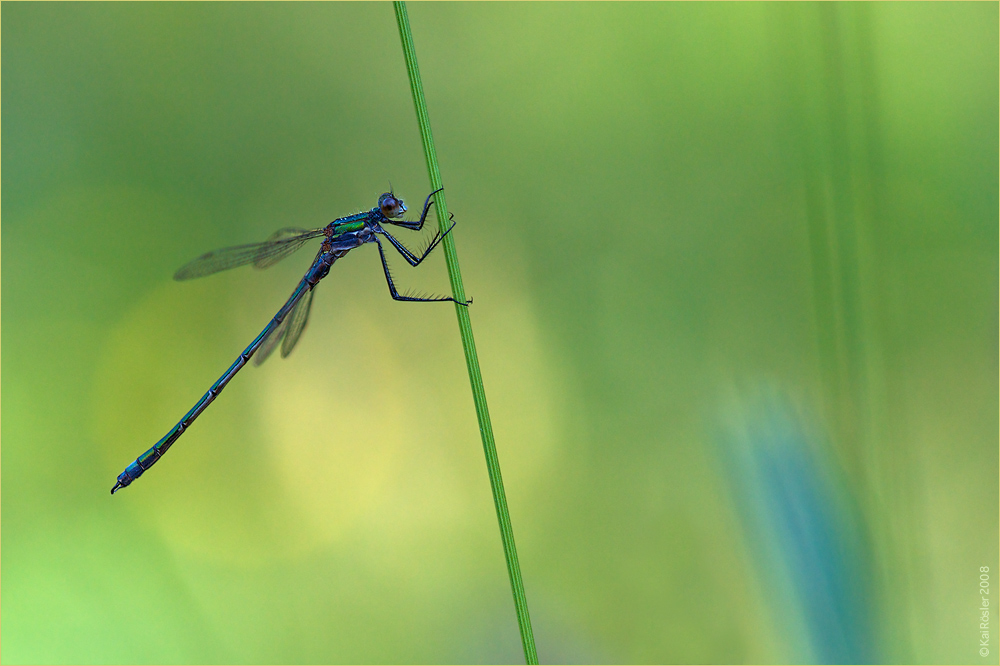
413	299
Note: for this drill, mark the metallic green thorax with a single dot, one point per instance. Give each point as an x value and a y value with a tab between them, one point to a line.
347	227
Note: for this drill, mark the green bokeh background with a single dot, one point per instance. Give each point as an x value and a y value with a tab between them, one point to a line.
666	211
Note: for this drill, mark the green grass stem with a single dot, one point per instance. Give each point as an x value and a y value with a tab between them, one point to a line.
468	343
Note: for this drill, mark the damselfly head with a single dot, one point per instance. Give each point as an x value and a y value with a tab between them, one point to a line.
390	206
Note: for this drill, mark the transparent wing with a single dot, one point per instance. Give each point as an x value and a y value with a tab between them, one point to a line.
297	323
282	243
288	240
270	342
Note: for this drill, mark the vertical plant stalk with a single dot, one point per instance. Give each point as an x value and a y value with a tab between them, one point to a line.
468	343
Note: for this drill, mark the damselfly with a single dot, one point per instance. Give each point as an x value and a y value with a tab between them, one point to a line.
341	236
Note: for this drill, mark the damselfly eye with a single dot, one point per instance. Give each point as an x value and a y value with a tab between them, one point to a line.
390	205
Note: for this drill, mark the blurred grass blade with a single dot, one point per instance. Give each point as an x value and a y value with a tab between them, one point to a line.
468	343
806	532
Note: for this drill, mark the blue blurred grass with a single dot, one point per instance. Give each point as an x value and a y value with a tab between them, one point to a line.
803	529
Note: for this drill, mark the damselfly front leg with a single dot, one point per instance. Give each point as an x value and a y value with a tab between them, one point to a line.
419	224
